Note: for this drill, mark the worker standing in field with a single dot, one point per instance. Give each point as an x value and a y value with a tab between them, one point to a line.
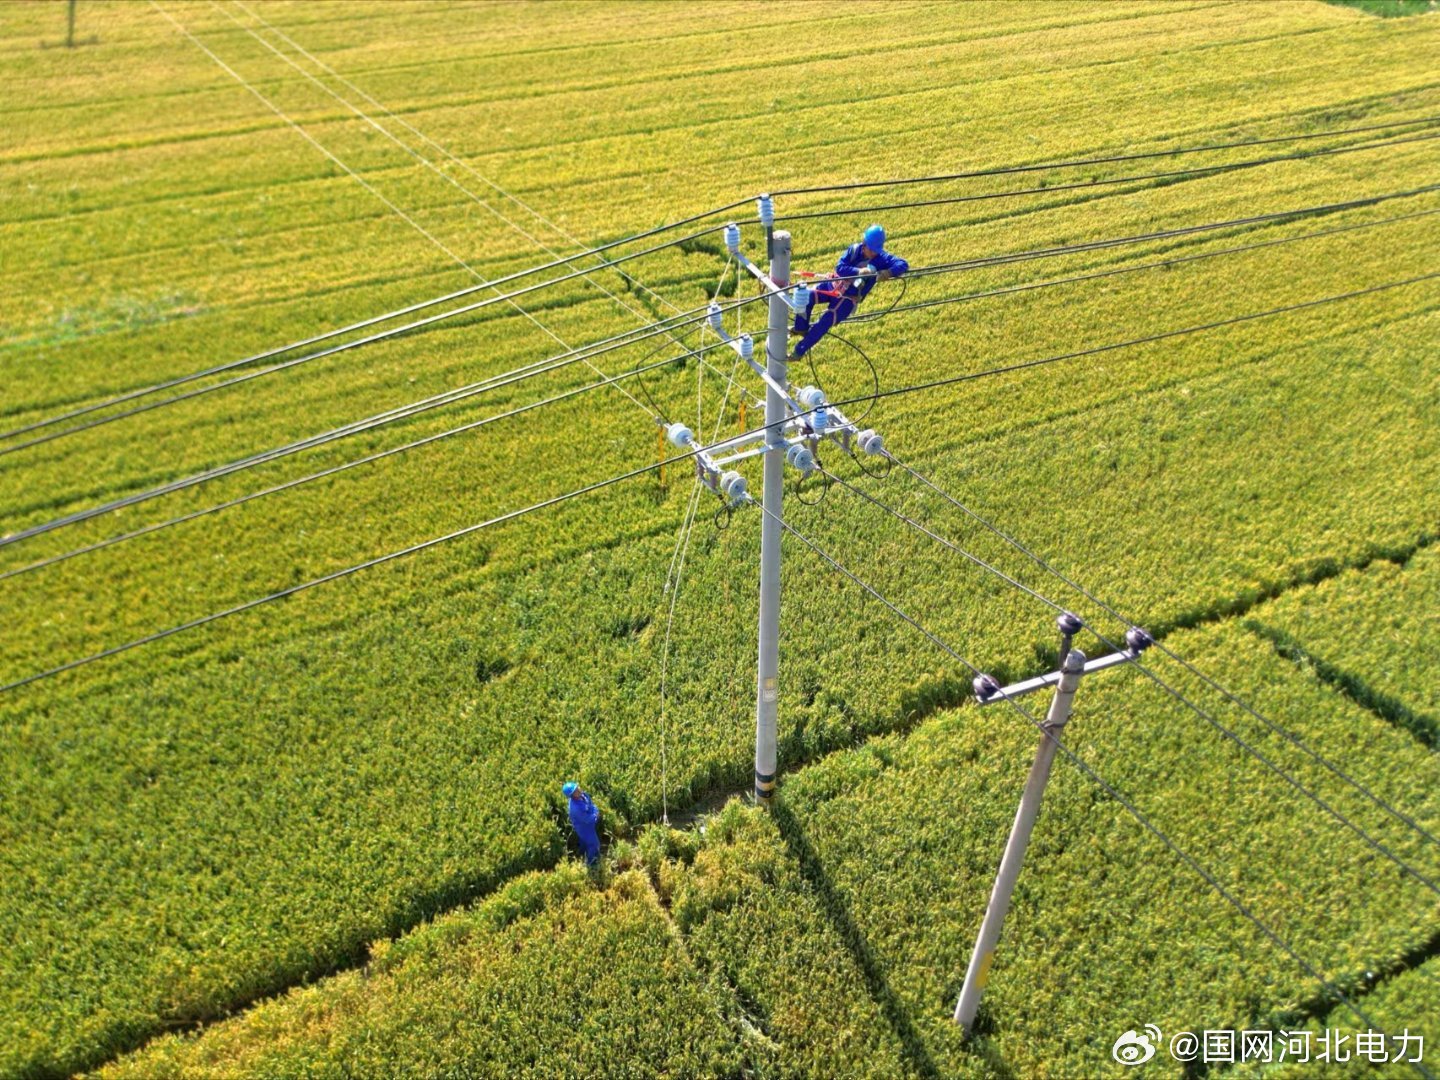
584	819
843	293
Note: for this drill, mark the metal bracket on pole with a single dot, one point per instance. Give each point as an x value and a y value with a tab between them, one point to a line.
988	690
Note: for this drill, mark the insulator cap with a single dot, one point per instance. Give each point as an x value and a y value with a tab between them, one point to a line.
800	456
733	485
766	206
810	397
1139	640
870	442
986	687
732	238
1069	623
713	314
800	299
747	346
679	435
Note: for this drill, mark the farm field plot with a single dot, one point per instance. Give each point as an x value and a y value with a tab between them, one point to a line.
194	825
843	924
1372	634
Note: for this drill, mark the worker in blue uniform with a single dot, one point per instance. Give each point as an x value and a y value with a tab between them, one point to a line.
842	295
584	817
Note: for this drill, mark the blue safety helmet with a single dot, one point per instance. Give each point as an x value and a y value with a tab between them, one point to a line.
875	238
570	788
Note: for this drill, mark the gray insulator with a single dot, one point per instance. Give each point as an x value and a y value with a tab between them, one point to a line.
679	435
1139	640
747	346
986	687
800	457
800	299
713	314
732	238
1069	623
871	442
766	206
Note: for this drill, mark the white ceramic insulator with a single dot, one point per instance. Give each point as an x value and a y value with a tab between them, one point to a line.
810	397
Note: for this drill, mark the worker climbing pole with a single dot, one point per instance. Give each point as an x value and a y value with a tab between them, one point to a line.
860	266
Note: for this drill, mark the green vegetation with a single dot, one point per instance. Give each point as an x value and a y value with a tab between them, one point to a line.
238	810
542	979
837	930
1391	9
1373	635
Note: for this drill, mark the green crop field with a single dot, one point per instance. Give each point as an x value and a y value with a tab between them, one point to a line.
325	836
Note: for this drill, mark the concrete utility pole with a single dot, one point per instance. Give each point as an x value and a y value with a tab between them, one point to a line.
766	689
1067	680
797	421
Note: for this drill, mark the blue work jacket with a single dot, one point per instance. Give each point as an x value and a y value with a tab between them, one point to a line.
853	261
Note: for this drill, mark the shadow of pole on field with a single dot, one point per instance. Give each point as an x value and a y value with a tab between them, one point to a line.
838	912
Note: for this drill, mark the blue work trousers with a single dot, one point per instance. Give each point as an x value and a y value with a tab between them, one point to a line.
837	310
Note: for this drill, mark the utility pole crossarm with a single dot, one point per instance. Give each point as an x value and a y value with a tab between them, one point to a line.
988	691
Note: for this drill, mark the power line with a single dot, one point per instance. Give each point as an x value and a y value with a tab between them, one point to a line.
1089	771
1198	171
1074	162
323	473
334	576
1254	752
1163	336
894	392
1087	594
429	320
1176	261
643	333
423	159
363	183
874	396
265	457
1166	234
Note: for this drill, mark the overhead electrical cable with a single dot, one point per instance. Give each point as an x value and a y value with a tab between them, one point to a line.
686	455
1134	811
638	335
1158	643
1006	170
1206	170
333	470
873	396
378	195
1374	844
613	262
